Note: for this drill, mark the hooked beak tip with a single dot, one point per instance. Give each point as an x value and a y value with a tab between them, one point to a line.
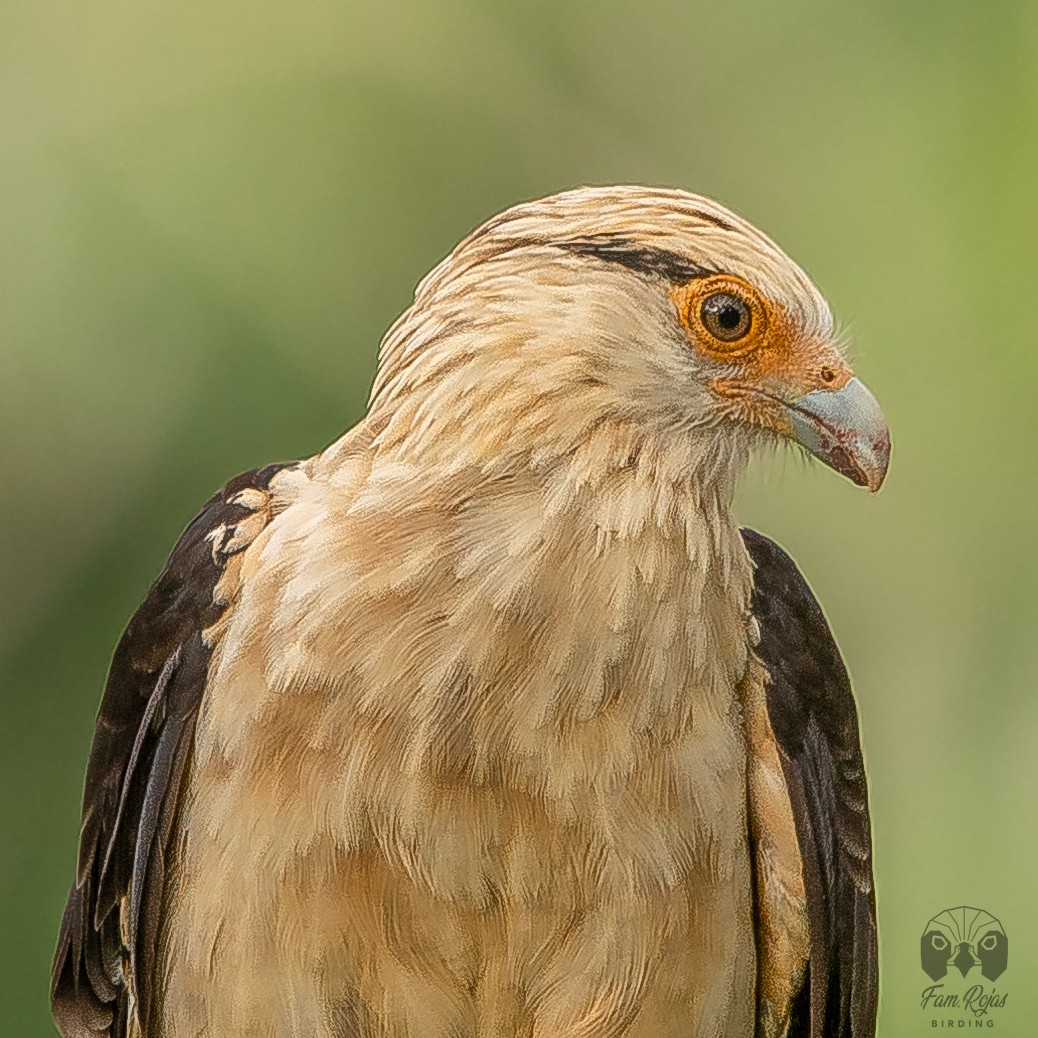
875	476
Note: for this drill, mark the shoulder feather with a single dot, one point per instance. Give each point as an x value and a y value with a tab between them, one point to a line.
102	975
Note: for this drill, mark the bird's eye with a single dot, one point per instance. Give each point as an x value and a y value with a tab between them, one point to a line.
723	316
726	317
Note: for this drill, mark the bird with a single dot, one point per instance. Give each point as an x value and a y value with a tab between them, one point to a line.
489	719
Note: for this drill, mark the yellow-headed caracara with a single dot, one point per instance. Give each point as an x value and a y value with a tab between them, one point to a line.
488	721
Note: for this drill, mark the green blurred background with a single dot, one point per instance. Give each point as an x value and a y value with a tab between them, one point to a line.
210	212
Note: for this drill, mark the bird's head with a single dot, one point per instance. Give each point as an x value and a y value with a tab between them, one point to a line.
655	311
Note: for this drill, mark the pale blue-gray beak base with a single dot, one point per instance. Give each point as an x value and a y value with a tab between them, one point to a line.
844	428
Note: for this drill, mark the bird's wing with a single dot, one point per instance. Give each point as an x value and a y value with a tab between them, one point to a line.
815	722
105	959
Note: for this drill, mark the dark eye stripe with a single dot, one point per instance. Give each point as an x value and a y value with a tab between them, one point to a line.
642	259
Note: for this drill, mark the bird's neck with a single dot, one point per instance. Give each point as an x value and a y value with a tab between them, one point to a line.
597	604
657	578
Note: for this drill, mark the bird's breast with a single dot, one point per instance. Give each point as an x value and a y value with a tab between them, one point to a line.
511	785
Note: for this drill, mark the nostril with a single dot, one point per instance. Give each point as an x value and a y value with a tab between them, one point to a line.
828	375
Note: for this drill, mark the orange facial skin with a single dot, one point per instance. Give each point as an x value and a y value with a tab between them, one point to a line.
775	362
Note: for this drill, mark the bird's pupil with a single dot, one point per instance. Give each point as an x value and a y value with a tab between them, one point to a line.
729	317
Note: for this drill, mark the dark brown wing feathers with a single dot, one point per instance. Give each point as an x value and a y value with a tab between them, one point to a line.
815	720
142	741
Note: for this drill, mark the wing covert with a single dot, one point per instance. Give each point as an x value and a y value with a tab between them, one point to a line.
815	720
105	956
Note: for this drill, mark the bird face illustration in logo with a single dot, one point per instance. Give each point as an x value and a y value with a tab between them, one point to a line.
962	938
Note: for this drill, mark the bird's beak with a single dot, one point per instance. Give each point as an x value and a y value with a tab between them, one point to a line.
844	428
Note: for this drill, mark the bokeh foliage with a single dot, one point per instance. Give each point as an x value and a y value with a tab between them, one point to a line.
211	211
